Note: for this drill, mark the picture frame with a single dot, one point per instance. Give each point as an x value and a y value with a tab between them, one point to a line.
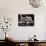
25	19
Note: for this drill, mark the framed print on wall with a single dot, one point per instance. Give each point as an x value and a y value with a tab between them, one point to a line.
25	19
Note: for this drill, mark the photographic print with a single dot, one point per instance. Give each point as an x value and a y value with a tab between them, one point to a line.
25	19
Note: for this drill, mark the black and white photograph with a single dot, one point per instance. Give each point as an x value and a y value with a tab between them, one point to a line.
25	19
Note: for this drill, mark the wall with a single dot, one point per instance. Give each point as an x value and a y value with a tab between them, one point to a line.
11	8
